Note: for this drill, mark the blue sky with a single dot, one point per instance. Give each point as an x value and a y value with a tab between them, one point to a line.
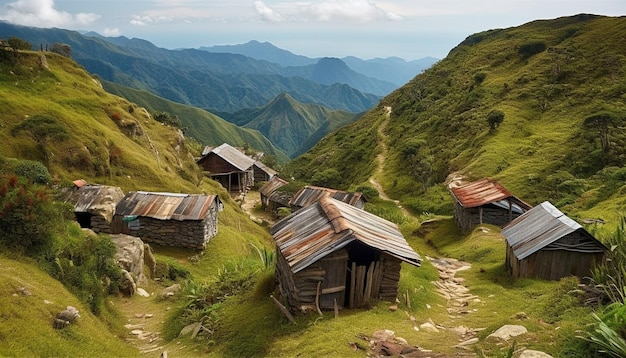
409	29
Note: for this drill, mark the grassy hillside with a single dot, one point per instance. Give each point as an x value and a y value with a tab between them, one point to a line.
205	127
550	79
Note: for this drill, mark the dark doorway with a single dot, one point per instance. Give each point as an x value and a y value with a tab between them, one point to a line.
84	220
364	275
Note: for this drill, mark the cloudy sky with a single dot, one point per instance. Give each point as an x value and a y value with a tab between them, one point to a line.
409	29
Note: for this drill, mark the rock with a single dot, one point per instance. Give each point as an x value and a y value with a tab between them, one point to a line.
384	335
130	255
148	315
170	291
136	332
468	342
24	291
127	284
393	308
149	260
527	353
428	327
507	331
65	317
141	292
520	316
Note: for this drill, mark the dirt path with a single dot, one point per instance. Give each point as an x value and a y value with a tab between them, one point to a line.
380	160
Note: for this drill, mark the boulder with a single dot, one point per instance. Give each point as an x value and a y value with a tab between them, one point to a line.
65	317
130	255
149	260
127	284
508	331
528	353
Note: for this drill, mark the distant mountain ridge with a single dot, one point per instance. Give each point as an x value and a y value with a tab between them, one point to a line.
391	69
216	81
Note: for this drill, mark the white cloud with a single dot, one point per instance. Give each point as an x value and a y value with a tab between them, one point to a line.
326	11
267	13
41	13
114	32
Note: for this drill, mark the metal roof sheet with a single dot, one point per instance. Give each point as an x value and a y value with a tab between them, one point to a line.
269	171
165	206
482	192
89	197
539	227
268	188
230	154
310	194
328	225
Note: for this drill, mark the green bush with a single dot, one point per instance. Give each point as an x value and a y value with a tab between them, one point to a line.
34	171
29	218
531	48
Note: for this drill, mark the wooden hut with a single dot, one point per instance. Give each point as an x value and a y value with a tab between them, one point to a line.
311	194
332	253
228	166
485	202
545	243
262	172
185	220
94	205
271	199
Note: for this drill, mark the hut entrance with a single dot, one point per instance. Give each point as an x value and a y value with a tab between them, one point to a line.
365	274
84	220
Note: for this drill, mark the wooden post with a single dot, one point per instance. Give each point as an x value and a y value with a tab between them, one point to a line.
317	298
283	309
336	307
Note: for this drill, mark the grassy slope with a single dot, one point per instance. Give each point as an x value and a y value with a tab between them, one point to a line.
545	98
205	127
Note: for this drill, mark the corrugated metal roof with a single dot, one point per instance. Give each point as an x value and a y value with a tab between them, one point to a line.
310	194
539	227
268	188
89	197
165	206
269	171
328	225
232	155
485	191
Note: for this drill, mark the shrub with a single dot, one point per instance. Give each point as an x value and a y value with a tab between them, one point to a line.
28	216
531	48
34	171
369	192
494	119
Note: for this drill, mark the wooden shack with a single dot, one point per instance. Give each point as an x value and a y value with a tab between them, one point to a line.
94	204
228	166
170	219
311	194
485	202
545	243
271	199
262	172
331	253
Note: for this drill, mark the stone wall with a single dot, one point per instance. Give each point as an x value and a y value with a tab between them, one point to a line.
189	234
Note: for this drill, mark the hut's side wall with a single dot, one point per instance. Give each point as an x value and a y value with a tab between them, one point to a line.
298	289
467	218
512	263
391	278
99	224
556	264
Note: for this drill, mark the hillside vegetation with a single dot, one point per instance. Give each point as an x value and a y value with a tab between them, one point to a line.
560	87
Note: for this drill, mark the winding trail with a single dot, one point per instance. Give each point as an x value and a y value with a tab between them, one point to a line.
380	160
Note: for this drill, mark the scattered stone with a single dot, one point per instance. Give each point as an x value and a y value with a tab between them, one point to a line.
428	306
48	302
429	327
65	317
141	292
507	331
384	335
136	332
138	315
148	315
24	291
468	342
527	353
171	291
393	308
520	316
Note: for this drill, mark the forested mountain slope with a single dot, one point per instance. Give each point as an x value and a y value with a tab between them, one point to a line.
539	107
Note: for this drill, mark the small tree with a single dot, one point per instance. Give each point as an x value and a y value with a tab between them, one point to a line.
18	44
42	129
62	49
494	119
602	123
419	160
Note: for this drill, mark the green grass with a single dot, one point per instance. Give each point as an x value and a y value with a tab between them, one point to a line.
26	328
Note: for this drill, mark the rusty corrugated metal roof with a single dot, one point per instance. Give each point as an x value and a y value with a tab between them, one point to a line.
232	155
87	198
268	188
328	225
166	206
541	226
310	194
483	192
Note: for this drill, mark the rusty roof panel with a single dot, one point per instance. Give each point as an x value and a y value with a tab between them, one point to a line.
232	155
311	194
329	225
166	206
88	198
541	226
483	192
268	188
